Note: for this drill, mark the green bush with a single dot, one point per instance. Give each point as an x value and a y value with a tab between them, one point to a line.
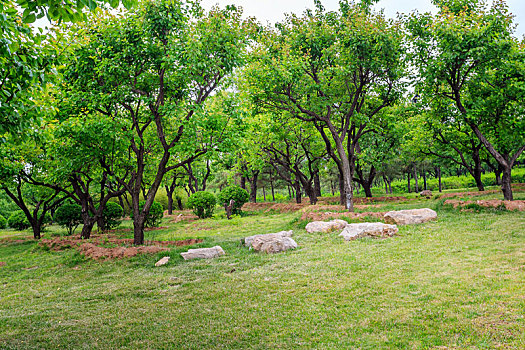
112	215
18	220
202	203
3	222
156	212
239	195
69	216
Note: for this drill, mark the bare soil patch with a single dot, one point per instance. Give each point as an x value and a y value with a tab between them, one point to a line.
515	187
94	249
490	203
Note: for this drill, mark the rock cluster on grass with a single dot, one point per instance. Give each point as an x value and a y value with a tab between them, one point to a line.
271	242
203	253
368	229
325	227
411	216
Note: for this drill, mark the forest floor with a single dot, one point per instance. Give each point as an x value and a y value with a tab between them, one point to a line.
454	283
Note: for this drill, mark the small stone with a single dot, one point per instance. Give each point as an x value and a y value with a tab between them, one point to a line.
325	227
163	261
368	229
426	193
203	253
412	216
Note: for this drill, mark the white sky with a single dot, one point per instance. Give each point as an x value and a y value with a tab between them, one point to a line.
273	10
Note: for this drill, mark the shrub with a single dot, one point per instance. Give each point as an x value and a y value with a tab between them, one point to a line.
69	216
155	214
112	215
239	195
18	220
3	222
202	203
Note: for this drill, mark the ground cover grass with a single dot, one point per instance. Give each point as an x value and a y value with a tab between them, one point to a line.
453	283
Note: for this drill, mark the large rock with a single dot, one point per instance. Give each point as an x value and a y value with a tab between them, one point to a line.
248	240
412	216
273	243
323	226
368	229
203	253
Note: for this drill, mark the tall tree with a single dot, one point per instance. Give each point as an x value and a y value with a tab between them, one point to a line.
336	70
466	56
154	70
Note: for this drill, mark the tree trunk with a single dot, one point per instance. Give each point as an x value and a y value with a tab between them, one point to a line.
415	179
477	178
298	196
101	224
169	194
264	194
253	188
497	173
243	182
317	184
408	181
37	229
506	181
438	171
179	203
424	180
87	228
138	229
341	190
289	192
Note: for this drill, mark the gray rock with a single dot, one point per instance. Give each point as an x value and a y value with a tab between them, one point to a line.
248	240
273	243
426	193
163	261
324	226
368	229
203	253
409	217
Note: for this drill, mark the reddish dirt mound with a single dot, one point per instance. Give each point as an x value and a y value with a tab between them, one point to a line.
2	263
365	200
93	249
257	206
100	253
491	203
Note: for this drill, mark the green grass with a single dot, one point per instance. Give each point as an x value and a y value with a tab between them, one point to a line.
454	283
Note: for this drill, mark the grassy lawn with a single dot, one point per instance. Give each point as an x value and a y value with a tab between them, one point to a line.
455	283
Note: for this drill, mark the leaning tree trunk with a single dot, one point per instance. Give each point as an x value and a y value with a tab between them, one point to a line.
87	228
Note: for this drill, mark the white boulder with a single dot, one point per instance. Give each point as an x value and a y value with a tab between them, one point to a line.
368	229
324	226
409	217
203	253
248	240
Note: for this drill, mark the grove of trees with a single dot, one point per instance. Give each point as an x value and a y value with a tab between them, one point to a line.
163	97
